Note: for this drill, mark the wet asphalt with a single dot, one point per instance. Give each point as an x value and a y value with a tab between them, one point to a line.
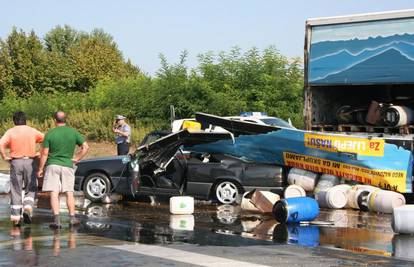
139	234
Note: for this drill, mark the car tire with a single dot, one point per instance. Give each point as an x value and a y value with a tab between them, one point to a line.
96	187
227	192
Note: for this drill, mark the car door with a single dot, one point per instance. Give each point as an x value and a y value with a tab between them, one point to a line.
263	175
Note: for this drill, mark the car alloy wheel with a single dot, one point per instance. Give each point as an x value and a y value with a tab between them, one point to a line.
227	192
97	186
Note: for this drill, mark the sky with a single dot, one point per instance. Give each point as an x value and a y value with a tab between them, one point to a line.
144	29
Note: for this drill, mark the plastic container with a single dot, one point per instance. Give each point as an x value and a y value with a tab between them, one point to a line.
294	210
294	191
402	219
325	182
191	126
398	116
307	236
182	205
385	201
333	198
182	222
305	179
357	193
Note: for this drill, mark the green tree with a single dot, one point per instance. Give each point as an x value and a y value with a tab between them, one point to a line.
27	59
61	39
96	57
6	69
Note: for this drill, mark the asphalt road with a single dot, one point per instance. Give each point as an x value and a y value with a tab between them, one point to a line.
138	234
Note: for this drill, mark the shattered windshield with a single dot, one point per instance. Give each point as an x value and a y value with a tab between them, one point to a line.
277	122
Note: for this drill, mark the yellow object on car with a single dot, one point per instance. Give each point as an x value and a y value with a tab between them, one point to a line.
191	126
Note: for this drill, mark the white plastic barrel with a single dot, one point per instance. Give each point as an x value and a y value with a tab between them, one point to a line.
294	191
247	205
402	219
355	192
305	179
182	222
384	201
325	182
4	183
344	187
334	198
182	205
398	116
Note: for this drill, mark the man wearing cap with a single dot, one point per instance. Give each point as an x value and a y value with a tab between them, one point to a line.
21	139
58	155
123	135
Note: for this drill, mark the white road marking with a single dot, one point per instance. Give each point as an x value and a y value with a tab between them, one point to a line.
183	256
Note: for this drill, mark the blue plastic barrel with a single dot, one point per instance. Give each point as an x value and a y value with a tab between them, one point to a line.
294	210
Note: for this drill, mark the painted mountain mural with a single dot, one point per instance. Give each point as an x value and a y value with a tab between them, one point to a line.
369	61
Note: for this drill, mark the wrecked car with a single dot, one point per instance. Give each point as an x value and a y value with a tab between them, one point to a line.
164	167
221	165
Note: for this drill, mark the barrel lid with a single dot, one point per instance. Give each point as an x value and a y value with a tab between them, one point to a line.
337	198
280	211
294	191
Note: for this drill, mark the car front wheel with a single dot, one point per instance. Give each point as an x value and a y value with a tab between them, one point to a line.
227	192
96	187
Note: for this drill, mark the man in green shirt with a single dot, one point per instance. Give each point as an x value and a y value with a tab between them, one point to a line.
58	155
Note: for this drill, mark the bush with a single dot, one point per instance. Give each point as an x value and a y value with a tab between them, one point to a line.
94	125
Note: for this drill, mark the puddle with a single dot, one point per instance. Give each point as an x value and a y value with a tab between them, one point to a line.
211	225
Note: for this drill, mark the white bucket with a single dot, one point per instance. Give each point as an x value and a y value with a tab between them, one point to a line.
355	192
182	222
402	219
294	191
4	183
325	182
182	205
247	204
334	198
303	178
384	201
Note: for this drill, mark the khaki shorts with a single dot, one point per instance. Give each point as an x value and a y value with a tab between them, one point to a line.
59	179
